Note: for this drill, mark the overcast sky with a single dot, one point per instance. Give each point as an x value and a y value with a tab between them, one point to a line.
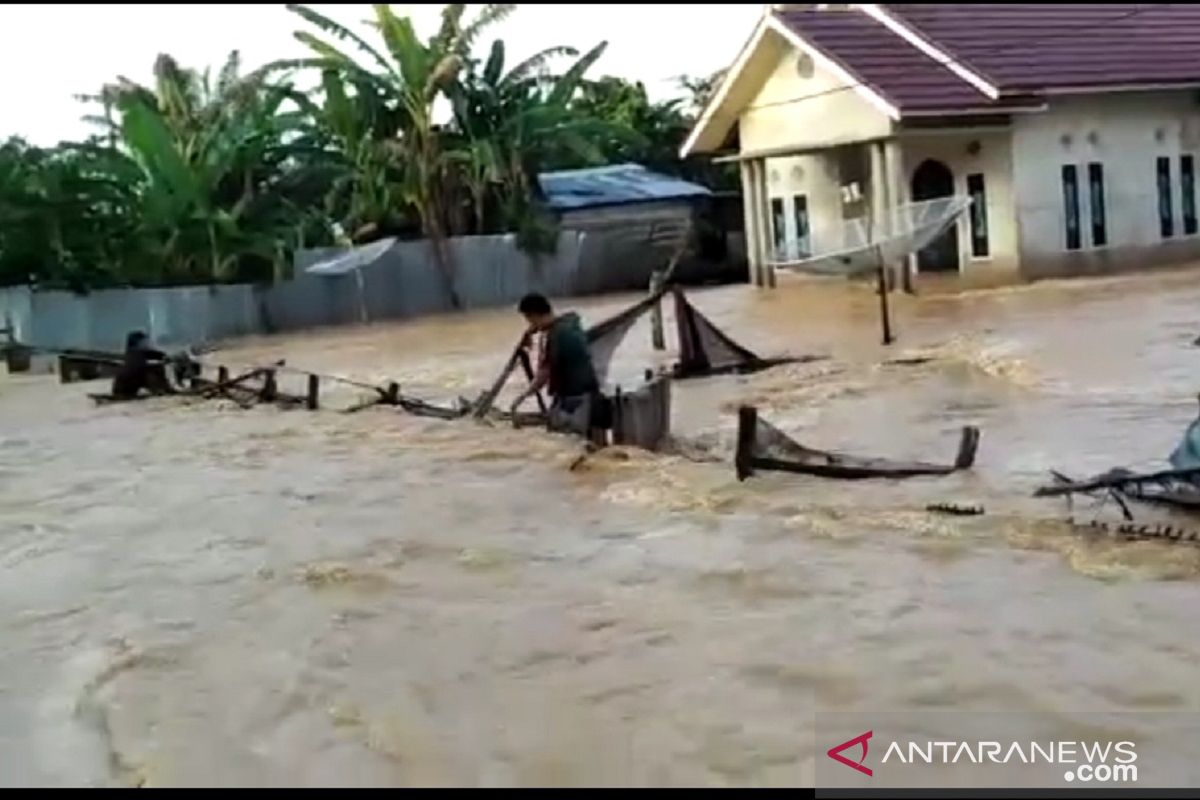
50	53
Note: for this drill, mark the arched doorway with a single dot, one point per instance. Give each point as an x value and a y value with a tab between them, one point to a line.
931	180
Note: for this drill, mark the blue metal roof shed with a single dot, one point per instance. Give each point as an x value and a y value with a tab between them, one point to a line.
617	185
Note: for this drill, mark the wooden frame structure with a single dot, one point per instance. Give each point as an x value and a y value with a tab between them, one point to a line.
807	461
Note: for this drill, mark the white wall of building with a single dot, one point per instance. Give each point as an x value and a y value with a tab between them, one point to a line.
814	177
801	105
1125	132
965	153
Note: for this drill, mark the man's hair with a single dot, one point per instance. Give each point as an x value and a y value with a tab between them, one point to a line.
134	339
534	304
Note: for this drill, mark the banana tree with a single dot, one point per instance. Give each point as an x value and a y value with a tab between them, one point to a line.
411	77
524	119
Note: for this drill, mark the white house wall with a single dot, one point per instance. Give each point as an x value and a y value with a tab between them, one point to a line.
1126	132
813	109
816	178
993	160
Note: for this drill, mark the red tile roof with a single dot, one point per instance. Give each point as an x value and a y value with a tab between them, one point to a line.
1022	49
876	57
1036	46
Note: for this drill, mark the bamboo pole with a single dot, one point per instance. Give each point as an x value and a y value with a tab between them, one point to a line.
657	338
884	311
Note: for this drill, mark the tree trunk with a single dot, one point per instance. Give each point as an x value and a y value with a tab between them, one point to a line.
443	259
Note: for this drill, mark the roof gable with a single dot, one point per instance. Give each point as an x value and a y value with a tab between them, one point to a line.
771	39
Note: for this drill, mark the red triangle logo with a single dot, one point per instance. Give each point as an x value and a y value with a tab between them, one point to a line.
836	753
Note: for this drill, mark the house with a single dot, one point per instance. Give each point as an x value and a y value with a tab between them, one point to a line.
1074	129
641	214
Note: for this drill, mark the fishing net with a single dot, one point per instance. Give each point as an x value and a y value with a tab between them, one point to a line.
704	348
859	246
772	443
605	337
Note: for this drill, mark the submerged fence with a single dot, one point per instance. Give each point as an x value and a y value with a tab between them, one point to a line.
489	271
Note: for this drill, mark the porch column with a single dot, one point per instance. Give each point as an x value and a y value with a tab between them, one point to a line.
768	236
898	182
882	220
879	190
750	221
766	270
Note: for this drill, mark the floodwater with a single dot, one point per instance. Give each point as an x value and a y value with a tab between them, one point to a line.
200	595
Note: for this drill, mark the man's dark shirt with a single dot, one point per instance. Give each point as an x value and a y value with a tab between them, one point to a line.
568	358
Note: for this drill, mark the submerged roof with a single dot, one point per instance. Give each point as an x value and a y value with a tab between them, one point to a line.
617	185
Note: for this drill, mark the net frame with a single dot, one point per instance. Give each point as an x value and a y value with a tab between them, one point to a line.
863	242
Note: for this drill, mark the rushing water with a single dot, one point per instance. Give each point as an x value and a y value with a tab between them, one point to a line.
193	594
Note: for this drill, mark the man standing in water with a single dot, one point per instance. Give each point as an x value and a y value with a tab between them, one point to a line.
565	369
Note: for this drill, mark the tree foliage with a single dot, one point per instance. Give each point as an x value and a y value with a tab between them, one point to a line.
202	178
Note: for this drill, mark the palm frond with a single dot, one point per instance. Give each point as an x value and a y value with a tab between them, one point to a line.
566	84
535	63
340	32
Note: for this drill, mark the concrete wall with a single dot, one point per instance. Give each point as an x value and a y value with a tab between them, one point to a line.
490	271
800	105
992	158
817	178
1125	132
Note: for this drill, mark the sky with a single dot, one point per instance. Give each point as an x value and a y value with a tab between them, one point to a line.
50	53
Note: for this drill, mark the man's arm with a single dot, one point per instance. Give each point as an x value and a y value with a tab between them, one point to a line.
540	379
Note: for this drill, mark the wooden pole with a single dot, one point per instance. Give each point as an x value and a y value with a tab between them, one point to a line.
523	355
657	339
884	311
744	460
222	375
391	395
269	389
312	400
618	417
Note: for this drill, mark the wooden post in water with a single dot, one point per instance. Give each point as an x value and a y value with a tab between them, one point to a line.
884	312
657	339
222	375
269	388
312	400
744	460
391	395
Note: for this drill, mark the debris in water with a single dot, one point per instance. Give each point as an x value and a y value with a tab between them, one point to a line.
761	445
954	509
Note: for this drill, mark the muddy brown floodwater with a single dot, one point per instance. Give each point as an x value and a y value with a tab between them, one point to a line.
198	595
